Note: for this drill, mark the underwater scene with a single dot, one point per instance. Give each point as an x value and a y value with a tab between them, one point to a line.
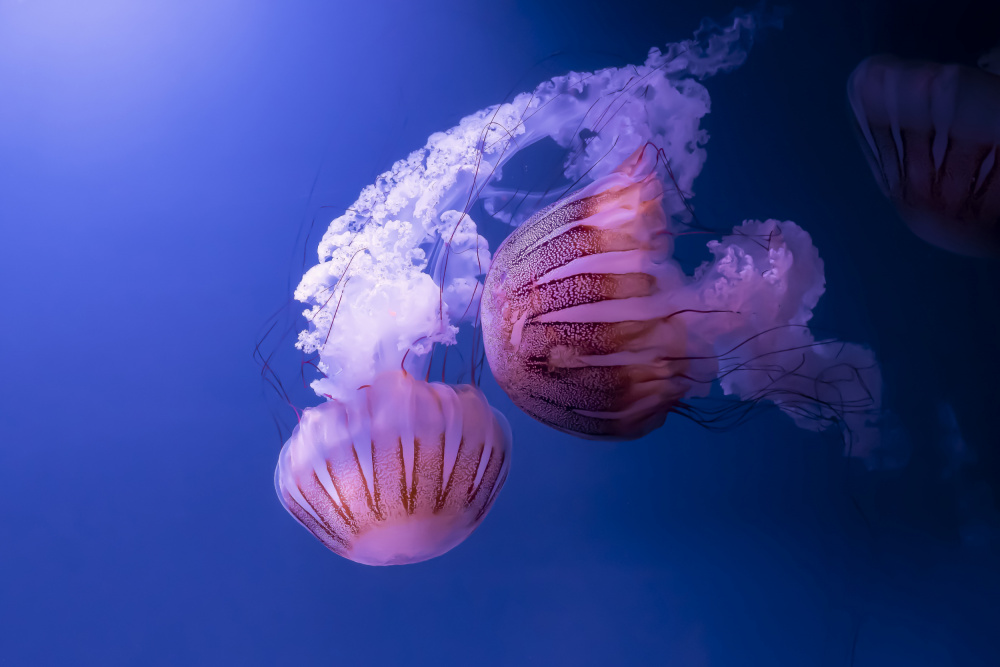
509	333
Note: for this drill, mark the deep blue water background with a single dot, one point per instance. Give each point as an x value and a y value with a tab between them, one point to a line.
160	164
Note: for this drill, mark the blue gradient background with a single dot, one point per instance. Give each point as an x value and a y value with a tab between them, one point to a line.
160	163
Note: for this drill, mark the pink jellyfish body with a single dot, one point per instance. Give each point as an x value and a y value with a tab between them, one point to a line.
575	324
402	473
932	136
592	327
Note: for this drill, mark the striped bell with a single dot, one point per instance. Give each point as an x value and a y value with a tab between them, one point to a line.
578	321
400	473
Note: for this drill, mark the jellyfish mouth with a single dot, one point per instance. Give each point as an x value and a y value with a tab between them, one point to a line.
410	539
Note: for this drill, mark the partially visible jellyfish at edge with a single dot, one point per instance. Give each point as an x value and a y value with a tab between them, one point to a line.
931	133
396	469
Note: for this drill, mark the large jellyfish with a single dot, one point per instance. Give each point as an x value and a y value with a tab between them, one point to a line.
395	469
591	327
932	136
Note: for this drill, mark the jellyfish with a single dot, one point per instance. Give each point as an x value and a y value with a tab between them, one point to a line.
394	468
401	474
591	326
932	136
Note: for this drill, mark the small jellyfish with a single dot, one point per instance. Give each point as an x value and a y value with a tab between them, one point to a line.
401	473
932	136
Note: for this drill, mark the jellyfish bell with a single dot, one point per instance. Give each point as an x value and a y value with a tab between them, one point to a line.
575	324
401	472
931	133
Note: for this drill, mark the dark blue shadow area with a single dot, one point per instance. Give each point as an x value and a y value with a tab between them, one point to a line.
160	164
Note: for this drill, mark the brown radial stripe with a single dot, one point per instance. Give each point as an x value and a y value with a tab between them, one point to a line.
347	514
474	491
977	196
573	243
322	504
890	155
335	542
442	444
472	470
585	388
351	486
586	338
530	274
571	422
338	508
586	288
483	492
410	498
464	474
404	493
443	499
986	186
390	486
373	504
414	483
498	484
426	485
545	222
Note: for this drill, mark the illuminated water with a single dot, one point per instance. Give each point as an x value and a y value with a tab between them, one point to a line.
159	169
